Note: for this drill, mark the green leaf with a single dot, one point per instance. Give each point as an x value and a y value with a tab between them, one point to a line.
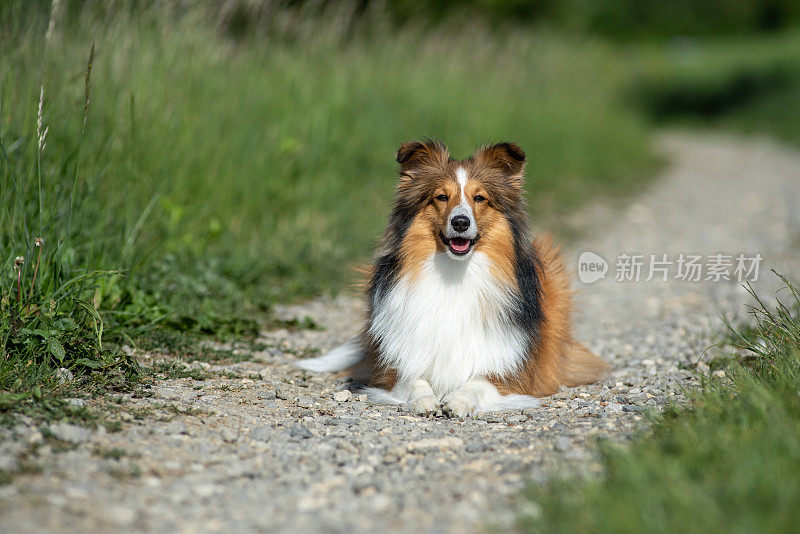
34	331
8	400
66	324
86	362
56	348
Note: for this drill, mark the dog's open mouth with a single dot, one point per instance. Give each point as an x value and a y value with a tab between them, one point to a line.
459	245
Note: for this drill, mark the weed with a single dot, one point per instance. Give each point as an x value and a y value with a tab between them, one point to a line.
170	370
114	453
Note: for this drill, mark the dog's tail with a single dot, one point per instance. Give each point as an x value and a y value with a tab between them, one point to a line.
339	359
563	360
581	366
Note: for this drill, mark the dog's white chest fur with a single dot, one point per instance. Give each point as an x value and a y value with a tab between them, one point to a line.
450	324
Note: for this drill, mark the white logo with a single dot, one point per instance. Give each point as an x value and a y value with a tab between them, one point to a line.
591	267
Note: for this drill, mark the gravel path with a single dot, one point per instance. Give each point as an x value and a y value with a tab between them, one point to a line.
259	446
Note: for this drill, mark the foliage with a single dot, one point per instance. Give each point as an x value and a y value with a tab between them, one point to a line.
714	78
263	169
748	85
49	323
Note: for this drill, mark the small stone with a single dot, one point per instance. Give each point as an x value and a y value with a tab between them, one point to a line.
578	404
175	428
121	516
442	444
69	433
394	455
516	418
614	407
562	443
477	447
282	393
76	403
64	375
35	437
361	398
8	463
633	408
304	402
606	395
264	374
490	417
300	432
639	398
267	394
227	435
343	396
262	433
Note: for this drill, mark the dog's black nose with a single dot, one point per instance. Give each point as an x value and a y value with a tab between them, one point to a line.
460	223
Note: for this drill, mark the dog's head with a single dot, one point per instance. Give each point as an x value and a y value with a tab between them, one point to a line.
460	205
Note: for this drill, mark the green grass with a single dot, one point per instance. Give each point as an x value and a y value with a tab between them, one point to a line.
49	323
746	85
271	161
729	462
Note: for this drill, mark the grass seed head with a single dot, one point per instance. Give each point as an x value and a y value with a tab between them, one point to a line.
41	134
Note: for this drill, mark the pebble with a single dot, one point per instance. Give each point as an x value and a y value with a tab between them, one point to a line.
64	375
304	402
227	435
267	394
562	443
8	463
176	428
632	408
262	433
69	433
300	431
343	396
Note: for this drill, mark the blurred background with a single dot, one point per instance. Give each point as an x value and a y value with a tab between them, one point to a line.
221	156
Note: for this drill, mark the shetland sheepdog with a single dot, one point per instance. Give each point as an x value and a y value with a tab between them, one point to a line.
464	313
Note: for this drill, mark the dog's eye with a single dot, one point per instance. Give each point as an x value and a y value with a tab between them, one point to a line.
442	198
479	198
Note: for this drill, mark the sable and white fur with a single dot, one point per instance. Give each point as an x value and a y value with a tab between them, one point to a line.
465	313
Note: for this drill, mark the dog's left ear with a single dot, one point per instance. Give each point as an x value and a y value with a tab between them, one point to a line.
505	157
415	157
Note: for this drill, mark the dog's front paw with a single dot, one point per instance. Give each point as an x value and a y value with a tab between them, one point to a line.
459	406
426	405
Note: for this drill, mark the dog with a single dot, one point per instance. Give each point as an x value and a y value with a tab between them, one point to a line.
464	313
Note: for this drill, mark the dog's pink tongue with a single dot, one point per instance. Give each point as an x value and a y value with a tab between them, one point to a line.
459	245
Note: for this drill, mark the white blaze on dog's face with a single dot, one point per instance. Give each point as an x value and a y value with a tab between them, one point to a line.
461	231
458	207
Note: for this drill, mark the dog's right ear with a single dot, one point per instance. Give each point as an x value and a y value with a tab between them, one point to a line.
414	156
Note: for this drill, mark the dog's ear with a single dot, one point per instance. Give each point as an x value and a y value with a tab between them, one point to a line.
414	156
505	157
